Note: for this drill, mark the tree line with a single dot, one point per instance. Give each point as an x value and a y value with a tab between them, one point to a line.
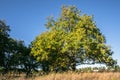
14	55
100	69
73	38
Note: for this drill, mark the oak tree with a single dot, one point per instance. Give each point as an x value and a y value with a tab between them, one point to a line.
71	38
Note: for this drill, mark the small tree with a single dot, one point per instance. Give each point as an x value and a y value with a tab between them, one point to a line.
72	38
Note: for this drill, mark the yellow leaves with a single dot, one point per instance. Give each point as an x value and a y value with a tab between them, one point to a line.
45	57
38	59
71	34
1	30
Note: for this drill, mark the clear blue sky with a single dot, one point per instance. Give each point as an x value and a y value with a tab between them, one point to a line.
27	17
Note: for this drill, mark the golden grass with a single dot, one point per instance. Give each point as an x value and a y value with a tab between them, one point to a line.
69	76
9	76
80	76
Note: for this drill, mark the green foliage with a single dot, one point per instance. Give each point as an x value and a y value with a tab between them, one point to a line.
72	38
14	55
21	58
4	41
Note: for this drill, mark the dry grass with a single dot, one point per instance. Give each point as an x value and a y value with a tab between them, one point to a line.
80	76
70	76
15	77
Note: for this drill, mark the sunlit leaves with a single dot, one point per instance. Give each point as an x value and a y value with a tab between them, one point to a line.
71	38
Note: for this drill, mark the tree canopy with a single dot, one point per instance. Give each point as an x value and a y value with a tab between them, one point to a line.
71	38
14	55
4	41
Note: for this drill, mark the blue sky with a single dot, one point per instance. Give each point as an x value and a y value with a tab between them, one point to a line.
27	17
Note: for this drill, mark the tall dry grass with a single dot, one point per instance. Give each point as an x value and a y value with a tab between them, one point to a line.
81	76
14	76
68	76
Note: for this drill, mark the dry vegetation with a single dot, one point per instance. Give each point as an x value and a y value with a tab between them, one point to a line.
15	77
81	76
70	76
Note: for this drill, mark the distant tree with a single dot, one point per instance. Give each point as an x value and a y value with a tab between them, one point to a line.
72	38
117	68
14	55
4	41
28	62
22	60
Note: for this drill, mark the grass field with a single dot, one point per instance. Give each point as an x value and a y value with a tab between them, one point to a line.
71	76
81	76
